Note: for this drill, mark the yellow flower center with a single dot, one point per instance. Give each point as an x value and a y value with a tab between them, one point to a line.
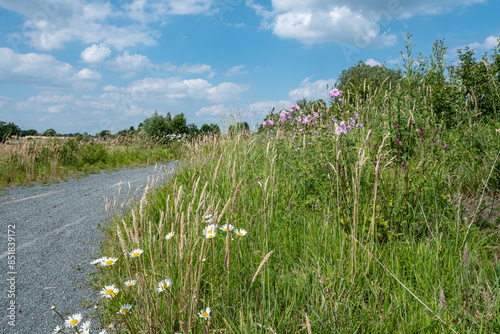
204	314
209	231
109	262
239	233
73	322
124	310
130	284
136	254
170	236
110	292
210	236
164	286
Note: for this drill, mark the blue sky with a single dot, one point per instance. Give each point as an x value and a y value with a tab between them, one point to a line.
92	65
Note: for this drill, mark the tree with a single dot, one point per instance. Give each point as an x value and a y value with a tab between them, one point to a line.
49	133
359	77
30	132
157	126
8	130
178	124
212	128
104	133
193	129
238	127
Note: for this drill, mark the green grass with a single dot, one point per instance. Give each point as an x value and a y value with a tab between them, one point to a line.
24	162
308	216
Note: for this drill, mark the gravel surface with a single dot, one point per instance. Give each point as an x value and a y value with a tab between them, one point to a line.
55	232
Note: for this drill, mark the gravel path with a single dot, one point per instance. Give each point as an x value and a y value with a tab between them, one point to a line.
54	229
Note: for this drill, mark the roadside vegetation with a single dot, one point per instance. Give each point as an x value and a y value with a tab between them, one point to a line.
374	210
27	157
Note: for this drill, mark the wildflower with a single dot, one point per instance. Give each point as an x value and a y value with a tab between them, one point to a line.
108	261
73	320
136	252
203	260
103	331
163	285
109	291
295	107
356	115
170	235
57	330
240	232
85	327
205	314
207	218
335	93
124	309
130	282
53	307
209	231
98	261
225	227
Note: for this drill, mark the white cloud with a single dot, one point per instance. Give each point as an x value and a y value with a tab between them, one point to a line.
88	74
489	43
55	109
372	62
236	70
262	108
130	62
312	90
34	68
215	110
51	98
95	53
357	23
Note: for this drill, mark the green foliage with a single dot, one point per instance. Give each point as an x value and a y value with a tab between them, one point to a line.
237	128
210	128
8	130
360	77
49	133
159	126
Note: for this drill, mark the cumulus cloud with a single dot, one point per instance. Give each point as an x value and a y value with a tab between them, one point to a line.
372	62
489	43
130	62
88	74
312	90
34	68
95	54
358	23
215	110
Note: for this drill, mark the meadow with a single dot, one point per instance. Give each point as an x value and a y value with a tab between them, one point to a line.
28	160
374	212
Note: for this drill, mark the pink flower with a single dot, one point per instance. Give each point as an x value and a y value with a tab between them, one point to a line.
335	93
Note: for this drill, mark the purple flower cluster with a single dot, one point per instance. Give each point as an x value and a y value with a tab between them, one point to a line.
343	127
267	122
335	94
285	115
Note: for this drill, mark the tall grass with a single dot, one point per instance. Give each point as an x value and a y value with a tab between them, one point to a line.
25	161
345	235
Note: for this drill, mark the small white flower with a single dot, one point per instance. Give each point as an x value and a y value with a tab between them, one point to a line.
73	320
109	291
130	282
136	252
163	285
209	231
240	232
205	314
97	261
85	326
170	235
207	218
124	309
108	261
225	227
57	330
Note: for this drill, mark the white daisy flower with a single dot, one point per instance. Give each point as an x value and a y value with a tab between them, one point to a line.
163	285
225	227
57	330
205	314
73	320
240	232
209	231
85	326
109	291
103	331
136	252
170	235
108	261
207	217
97	261
124	309
130	282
